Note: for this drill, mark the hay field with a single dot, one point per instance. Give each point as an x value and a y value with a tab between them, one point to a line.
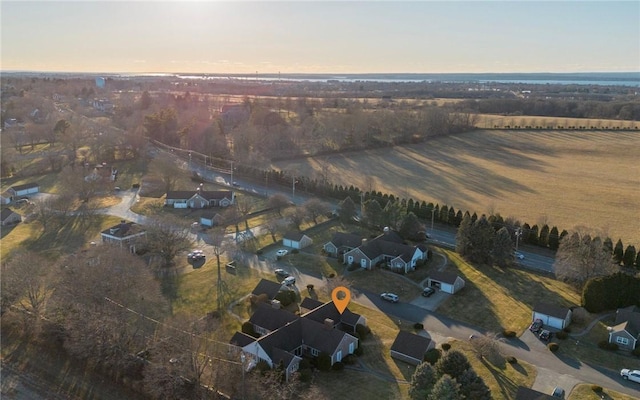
563	178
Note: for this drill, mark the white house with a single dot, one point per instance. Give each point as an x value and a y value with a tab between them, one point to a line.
448	282
296	240
552	316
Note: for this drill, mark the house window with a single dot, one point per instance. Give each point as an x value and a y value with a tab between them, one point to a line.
351	348
622	340
314	352
339	356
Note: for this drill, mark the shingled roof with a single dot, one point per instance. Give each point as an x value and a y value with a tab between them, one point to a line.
351	240
270	288
209	195
271	318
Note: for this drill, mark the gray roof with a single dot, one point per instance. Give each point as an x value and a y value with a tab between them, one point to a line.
329	310
294	235
411	345
209	195
628	319
271	318
551	310
25	186
6	213
389	244
444	276
241	339
124	229
270	288
341	239
309	304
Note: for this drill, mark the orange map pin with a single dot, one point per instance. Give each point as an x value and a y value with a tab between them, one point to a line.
341	297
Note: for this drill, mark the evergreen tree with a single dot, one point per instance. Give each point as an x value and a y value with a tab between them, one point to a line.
458	218
347	210
629	256
608	244
533	235
482	239
452	216
638	260
463	237
543	239
453	363
473	387
503	248
526	228
446	388
411	228
444	214
618	252
554	238
422	381
373	213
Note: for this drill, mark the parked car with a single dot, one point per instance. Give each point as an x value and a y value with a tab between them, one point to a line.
389	297
196	255
288	281
545	335
281	273
536	326
558	392
282	252
628	374
428	291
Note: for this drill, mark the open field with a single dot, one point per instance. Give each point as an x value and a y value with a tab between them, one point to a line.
489	121
562	178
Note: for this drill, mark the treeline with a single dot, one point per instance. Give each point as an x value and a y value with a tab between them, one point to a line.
621	110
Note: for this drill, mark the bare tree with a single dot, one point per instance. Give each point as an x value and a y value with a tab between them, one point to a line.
273	227
581	257
166	169
167	237
244	205
488	346
278	202
296	217
315	208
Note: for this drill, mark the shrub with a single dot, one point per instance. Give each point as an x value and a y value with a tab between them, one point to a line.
135	186
508	334
262	366
636	351
418	326
566	329
324	361
363	331
350	359
352	267
305	375
259	252
295	251
553	347
247	328
446	346
596	388
305	364
358	351
332	275
512	360
337	366
562	335
605	345
432	356
310	287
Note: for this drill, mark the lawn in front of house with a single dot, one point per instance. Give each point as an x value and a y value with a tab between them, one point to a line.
584	392
495	299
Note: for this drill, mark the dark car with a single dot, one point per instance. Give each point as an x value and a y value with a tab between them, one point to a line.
428	291
545	335
536	326
558	392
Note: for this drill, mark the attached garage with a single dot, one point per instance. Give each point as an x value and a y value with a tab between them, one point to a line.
448	282
552	316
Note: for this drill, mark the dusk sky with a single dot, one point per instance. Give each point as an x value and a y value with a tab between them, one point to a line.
320	37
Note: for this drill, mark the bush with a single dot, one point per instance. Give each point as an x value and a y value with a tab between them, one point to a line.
562	335
363	331
247	328
136	186
295	251
259	252
310	287
358	351
324	361
352	267
596	388
512	360
337	366
432	356
605	345
305	375
446	346
350	359
508	334
332	275
636	351
418	326
553	347
566	329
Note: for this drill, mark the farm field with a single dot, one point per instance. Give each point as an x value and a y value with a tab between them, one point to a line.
562	178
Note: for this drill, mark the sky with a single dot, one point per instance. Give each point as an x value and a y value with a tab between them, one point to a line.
320	37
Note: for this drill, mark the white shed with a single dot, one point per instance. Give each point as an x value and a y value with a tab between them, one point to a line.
448	282
552	316
296	240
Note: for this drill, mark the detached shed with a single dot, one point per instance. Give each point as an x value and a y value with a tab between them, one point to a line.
448	282
9	217
552	316
24	190
410	348
296	240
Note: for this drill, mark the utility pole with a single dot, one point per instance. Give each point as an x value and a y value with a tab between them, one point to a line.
293	189
518	234
231	173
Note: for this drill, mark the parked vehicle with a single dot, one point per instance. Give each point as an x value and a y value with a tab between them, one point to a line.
281	273
428	291
196	255
558	392
630	375
545	335
393	298
518	255
289	281
282	252
536	326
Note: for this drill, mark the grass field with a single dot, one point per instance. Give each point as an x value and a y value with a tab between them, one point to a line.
584	392
562	178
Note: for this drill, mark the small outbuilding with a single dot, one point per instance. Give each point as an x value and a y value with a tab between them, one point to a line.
448	282
552	316
24	190
410	348
296	240
9	217
210	219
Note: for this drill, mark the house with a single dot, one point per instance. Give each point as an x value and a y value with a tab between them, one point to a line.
9	217
388	249
341	243
309	304
24	190
448	282
268	318
552	316
267	287
626	330
210	219
301	336
327	312
524	393
296	240
103	105
199	198
410	348
123	234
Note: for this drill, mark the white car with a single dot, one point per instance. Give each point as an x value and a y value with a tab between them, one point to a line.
628	374
282	252
389	297
518	255
288	281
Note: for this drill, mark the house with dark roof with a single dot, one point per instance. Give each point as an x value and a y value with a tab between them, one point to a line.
626	330
199	198
446	281
301	335
296	240
6	197
389	249
267	318
410	348
9	217
341	243
552	316
124	234
267	287
24	190
328	313
309	304
524	393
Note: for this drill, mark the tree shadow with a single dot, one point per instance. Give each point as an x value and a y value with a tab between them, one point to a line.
508	388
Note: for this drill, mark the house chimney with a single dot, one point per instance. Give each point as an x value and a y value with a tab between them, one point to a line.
364	241
328	323
275	304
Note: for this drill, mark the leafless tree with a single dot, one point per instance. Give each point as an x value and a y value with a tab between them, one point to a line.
166	237
316	208
278	202
488	346
166	169
581	257
274	227
296	217
244	205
